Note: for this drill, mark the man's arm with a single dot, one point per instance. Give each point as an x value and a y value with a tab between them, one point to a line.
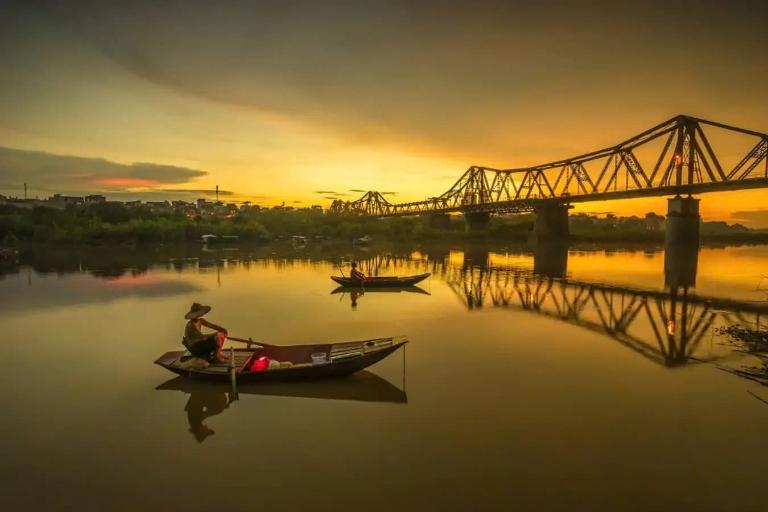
213	326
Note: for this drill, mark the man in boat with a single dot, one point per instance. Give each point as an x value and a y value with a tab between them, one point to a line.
200	345
356	274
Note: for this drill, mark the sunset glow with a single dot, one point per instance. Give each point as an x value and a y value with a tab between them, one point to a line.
303	106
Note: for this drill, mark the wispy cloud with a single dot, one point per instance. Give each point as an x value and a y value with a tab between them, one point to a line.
62	173
201	191
751	218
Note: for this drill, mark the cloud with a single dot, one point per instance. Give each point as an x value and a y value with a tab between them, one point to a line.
388	193
358	190
451	78
61	173
207	192
325	192
751	218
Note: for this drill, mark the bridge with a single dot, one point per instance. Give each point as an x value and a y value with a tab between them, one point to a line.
677	157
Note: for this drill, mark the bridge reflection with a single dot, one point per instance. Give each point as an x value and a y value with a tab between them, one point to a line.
669	327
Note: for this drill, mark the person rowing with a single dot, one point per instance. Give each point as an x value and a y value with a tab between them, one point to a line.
356	274
201	345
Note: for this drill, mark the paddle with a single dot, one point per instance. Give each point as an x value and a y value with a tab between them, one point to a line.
250	341
232	374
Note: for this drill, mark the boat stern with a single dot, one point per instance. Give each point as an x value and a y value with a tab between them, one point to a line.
167	359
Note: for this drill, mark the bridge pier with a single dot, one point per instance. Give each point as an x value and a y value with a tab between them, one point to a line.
682	225
681	242
476	221
439	220
551	223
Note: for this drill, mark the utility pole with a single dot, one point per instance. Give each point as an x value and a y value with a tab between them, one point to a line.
25	191
217	193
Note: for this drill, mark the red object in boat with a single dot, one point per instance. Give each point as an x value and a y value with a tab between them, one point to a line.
260	364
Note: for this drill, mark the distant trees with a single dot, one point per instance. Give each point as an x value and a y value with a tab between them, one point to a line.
105	222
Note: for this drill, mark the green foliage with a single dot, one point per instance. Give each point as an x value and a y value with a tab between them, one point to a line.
117	223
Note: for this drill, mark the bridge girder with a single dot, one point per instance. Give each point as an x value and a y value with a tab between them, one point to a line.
686	162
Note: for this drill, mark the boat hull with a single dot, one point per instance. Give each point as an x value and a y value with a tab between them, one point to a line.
332	369
380	282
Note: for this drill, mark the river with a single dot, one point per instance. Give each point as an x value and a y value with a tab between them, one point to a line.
590	379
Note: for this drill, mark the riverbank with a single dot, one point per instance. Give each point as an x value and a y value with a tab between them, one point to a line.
98	225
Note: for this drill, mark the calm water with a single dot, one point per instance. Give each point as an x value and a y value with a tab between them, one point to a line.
553	381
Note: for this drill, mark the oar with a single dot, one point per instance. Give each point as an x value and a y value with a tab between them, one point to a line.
232	374
250	341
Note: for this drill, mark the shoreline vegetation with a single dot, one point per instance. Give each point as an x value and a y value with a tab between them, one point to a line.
753	342
114	223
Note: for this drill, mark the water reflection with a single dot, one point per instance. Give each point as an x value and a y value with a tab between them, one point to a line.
209	399
668	326
355	294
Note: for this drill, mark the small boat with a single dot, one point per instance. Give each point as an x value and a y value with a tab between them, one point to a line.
376	282
295	361
363	240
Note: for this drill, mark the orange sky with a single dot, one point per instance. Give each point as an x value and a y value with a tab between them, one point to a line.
303	101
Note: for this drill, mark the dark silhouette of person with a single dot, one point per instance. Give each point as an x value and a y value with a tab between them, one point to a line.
203	404
354	294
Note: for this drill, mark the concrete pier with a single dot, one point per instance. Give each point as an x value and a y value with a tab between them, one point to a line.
682	225
551	223
476	221
681	242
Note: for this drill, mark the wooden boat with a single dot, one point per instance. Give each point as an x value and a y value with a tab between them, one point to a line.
341	359
376	282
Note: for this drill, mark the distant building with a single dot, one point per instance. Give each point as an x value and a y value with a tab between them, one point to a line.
67	200
248	207
158	206
95	198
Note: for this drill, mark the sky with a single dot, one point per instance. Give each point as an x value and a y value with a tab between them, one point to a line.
304	102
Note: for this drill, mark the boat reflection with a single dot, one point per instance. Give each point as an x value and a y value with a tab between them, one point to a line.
356	293
208	399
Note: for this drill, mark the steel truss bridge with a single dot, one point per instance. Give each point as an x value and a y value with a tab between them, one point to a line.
674	157
671	328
